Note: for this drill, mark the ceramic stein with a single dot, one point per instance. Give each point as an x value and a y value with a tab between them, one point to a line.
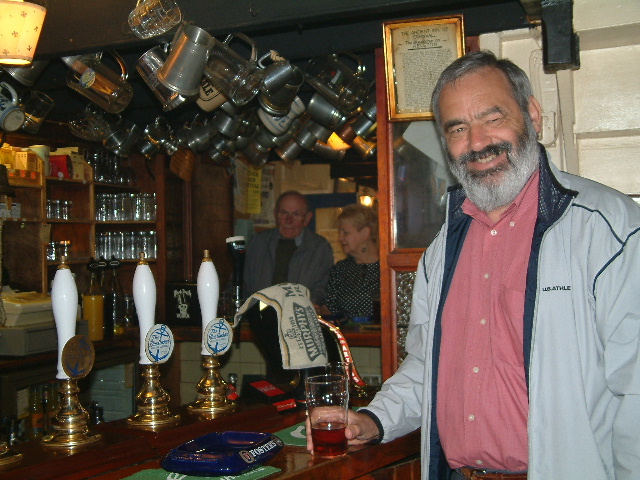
11	115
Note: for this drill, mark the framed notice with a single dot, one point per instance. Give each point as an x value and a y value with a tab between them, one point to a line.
415	54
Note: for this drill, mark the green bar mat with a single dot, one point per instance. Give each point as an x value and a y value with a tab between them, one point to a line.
294	436
160	474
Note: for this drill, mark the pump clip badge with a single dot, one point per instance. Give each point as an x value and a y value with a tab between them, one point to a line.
218	336
159	343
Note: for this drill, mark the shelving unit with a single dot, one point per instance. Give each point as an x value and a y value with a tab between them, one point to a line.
23	253
25	238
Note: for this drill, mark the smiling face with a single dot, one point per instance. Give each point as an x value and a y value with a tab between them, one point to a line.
491	145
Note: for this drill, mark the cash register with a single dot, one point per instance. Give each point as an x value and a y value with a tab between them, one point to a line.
29	327
27	308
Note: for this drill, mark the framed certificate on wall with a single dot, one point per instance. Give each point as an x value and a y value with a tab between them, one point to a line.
415	54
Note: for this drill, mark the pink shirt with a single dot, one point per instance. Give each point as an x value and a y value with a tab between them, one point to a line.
482	404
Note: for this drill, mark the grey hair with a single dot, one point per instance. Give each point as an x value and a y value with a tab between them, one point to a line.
292	193
361	216
520	84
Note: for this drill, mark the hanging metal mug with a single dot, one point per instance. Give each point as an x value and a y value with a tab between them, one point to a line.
27	75
226	124
147	66
197	136
220	150
123	139
90	77
156	137
183	69
333	79
275	74
237	78
325	113
278	102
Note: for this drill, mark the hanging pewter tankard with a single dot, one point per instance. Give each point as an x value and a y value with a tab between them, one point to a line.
182	70
147	66
27	75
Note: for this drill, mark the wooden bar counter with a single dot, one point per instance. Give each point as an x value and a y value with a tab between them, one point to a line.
123	451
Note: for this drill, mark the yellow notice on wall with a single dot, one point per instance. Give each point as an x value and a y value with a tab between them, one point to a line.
254	188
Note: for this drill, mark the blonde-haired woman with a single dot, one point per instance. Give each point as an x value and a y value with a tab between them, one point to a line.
355	281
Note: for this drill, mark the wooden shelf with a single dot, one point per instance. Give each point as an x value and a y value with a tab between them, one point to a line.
66	180
21	219
125	222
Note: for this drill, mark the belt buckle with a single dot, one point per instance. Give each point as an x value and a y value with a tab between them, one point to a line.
471	473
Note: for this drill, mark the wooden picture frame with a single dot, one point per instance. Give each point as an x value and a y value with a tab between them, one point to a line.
415	54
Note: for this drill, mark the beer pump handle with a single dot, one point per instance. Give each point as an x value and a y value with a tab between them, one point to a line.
144	297
64	303
208	286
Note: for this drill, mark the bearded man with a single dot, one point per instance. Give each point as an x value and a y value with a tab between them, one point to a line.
523	350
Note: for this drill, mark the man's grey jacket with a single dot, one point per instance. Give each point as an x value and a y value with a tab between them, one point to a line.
309	265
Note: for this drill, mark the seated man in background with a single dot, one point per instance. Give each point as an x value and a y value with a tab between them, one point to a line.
290	252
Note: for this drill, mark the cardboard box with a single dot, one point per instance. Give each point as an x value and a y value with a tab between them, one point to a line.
60	166
6	157
81	170
14	212
26	161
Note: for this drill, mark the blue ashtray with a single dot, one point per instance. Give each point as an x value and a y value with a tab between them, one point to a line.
227	453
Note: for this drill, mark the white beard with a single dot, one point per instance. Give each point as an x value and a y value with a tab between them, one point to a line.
490	192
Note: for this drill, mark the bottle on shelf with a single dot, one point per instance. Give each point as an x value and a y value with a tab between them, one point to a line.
45	397
93	303
114	301
96	413
36	413
53	404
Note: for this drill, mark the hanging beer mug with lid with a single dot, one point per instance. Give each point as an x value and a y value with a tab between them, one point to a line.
338	83
91	78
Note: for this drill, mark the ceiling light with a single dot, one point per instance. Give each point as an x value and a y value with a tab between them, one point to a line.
20	27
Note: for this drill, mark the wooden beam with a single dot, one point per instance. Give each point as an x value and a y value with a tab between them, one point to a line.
82	26
560	45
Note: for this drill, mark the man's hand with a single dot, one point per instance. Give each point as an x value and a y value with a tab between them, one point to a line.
360	429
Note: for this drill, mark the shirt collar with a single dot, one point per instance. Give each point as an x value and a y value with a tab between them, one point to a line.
297	239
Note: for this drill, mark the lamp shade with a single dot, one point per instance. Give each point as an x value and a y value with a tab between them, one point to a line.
20	27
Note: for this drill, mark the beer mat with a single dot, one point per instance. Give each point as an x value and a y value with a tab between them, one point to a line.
161	474
295	436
